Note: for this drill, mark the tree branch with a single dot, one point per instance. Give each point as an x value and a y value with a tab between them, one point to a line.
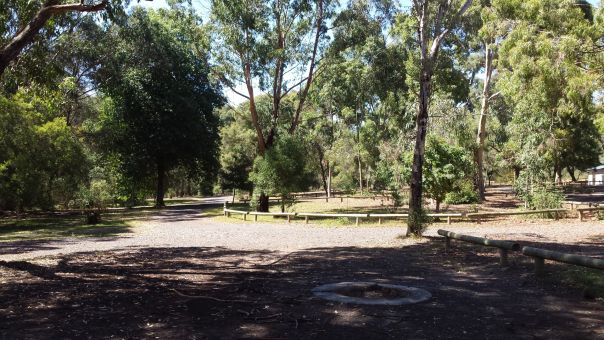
26	35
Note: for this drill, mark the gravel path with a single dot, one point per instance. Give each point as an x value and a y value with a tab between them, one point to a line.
190	228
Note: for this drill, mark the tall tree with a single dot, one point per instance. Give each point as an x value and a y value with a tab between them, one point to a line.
545	79
434	20
163	101
264	44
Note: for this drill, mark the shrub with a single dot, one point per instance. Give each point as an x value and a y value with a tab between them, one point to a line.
544	198
464	194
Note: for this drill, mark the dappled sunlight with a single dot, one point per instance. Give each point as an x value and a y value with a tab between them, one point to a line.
234	293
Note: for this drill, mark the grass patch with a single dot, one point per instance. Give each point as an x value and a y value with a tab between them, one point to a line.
590	280
50	227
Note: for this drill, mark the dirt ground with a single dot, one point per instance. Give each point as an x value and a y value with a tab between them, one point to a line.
183	275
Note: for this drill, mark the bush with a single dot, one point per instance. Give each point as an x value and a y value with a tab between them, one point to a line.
544	198
464	194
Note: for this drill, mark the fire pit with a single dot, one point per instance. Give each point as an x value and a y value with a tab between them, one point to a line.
371	293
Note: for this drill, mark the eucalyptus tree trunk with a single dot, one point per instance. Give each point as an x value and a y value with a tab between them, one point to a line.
482	122
421	121
431	33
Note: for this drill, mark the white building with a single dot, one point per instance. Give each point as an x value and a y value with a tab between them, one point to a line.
595	175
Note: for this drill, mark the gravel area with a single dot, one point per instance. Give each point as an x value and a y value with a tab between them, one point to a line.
190	228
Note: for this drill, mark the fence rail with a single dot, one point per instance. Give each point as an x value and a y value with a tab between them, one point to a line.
539	255
479	216
503	246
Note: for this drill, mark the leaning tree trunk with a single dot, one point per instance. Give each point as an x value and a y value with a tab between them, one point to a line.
415	199
482	122
161	176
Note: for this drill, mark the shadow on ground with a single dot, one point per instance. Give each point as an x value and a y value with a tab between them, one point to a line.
140	293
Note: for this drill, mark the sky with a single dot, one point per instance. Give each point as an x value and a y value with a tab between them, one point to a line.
203	9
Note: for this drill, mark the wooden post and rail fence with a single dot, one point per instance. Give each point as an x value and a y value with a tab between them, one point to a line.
503	246
308	215
539	255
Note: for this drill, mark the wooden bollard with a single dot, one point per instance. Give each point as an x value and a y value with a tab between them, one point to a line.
341	199
447	244
255	218
224	209
228	214
306	219
503	257
245	217
539	264
448	219
288	219
379	220
357	222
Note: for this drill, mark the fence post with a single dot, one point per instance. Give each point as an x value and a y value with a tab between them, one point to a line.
245	217
503	257
379	220
288	218
255	218
448	219
306	219
539	264
357	222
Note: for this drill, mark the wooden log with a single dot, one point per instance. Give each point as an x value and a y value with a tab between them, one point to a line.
577	260
509	245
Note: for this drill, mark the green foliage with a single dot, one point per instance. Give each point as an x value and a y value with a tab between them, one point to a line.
544	82
544	198
162	101
42	162
283	169
463	194
237	150
445	167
